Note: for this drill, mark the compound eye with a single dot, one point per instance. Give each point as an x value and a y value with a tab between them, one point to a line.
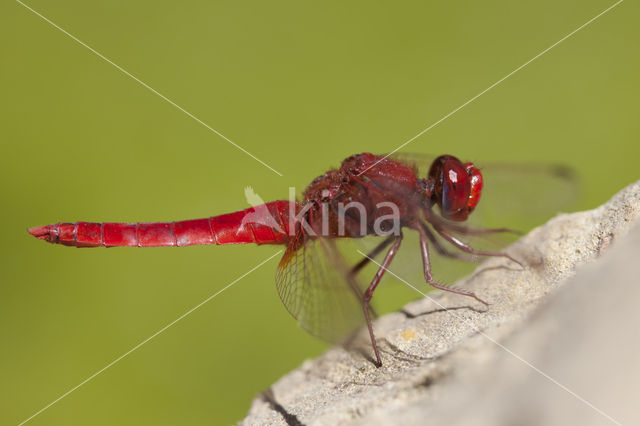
452	187
475	179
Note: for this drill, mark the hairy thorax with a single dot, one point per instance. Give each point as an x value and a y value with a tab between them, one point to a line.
366	192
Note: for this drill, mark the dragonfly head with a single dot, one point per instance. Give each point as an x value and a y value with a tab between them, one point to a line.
455	187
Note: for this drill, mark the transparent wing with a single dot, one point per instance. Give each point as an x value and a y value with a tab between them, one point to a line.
522	196
419	161
517	196
314	283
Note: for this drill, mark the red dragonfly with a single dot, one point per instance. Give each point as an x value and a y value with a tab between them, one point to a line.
368	195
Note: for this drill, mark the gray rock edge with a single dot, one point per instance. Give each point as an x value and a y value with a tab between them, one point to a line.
435	357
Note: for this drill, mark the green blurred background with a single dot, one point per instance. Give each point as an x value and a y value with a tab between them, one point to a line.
299	84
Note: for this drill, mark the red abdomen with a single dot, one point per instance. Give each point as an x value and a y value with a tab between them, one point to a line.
264	224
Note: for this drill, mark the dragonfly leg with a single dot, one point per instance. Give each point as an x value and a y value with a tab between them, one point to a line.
369	293
426	262
364	262
462	229
373	253
468	249
441	249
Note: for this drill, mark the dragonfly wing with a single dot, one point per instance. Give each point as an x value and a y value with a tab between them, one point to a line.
524	195
420	162
518	196
314	283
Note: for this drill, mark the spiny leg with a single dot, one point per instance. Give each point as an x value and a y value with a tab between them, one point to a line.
462	229
373	253
426	262
440	248
369	293
468	249
364	262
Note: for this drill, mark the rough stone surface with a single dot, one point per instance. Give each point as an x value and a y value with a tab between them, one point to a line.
553	348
